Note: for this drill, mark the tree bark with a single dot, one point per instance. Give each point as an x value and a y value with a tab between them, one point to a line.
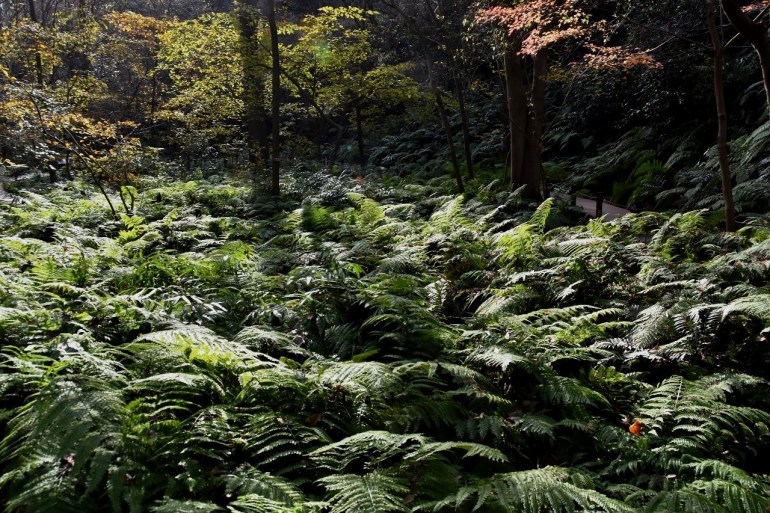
719	92
38	57
756	33
360	135
276	101
517	112
460	89
532	172
447	127
257	133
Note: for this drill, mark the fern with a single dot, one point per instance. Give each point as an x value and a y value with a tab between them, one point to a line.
375	492
549	489
249	484
67	433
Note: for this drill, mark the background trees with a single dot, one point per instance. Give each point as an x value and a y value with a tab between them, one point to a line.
530	86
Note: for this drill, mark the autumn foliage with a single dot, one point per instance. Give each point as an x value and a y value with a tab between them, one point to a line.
541	24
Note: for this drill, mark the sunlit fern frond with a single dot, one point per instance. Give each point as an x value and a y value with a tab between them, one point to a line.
268	341
695	418
374	492
650	325
561	390
449	215
278	443
199	343
532	491
247	483
374	446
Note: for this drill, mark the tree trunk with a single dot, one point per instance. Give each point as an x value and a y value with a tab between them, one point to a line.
757	35
447	127
517	112
276	100
38	56
532	172
257	134
460	89
360	135
68	167
719	91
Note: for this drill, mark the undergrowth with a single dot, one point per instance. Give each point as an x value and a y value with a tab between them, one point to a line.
377	347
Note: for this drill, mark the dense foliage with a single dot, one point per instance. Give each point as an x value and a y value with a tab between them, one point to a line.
377	347
416	318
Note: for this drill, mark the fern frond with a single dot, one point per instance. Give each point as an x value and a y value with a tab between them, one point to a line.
534	491
68	432
251	503
756	306
430	449
372	376
498	358
252	483
540	216
274	438
375	492
649	326
569	391
263	340
376	445
199	343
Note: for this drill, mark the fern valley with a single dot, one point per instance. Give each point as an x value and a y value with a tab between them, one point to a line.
377	347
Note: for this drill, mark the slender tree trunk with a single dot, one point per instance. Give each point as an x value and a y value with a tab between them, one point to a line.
460	89
719	91
447	126
756	33
360	135
276	101
532	172
38	56
154	96
68	167
517	112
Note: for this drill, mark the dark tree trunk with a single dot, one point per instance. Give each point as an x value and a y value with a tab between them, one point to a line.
68	167
517	112
526	110
360	135
460	89
447	127
532	172
257	130
276	101
719	92
38	57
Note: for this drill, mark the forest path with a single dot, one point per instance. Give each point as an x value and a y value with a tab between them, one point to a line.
610	211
